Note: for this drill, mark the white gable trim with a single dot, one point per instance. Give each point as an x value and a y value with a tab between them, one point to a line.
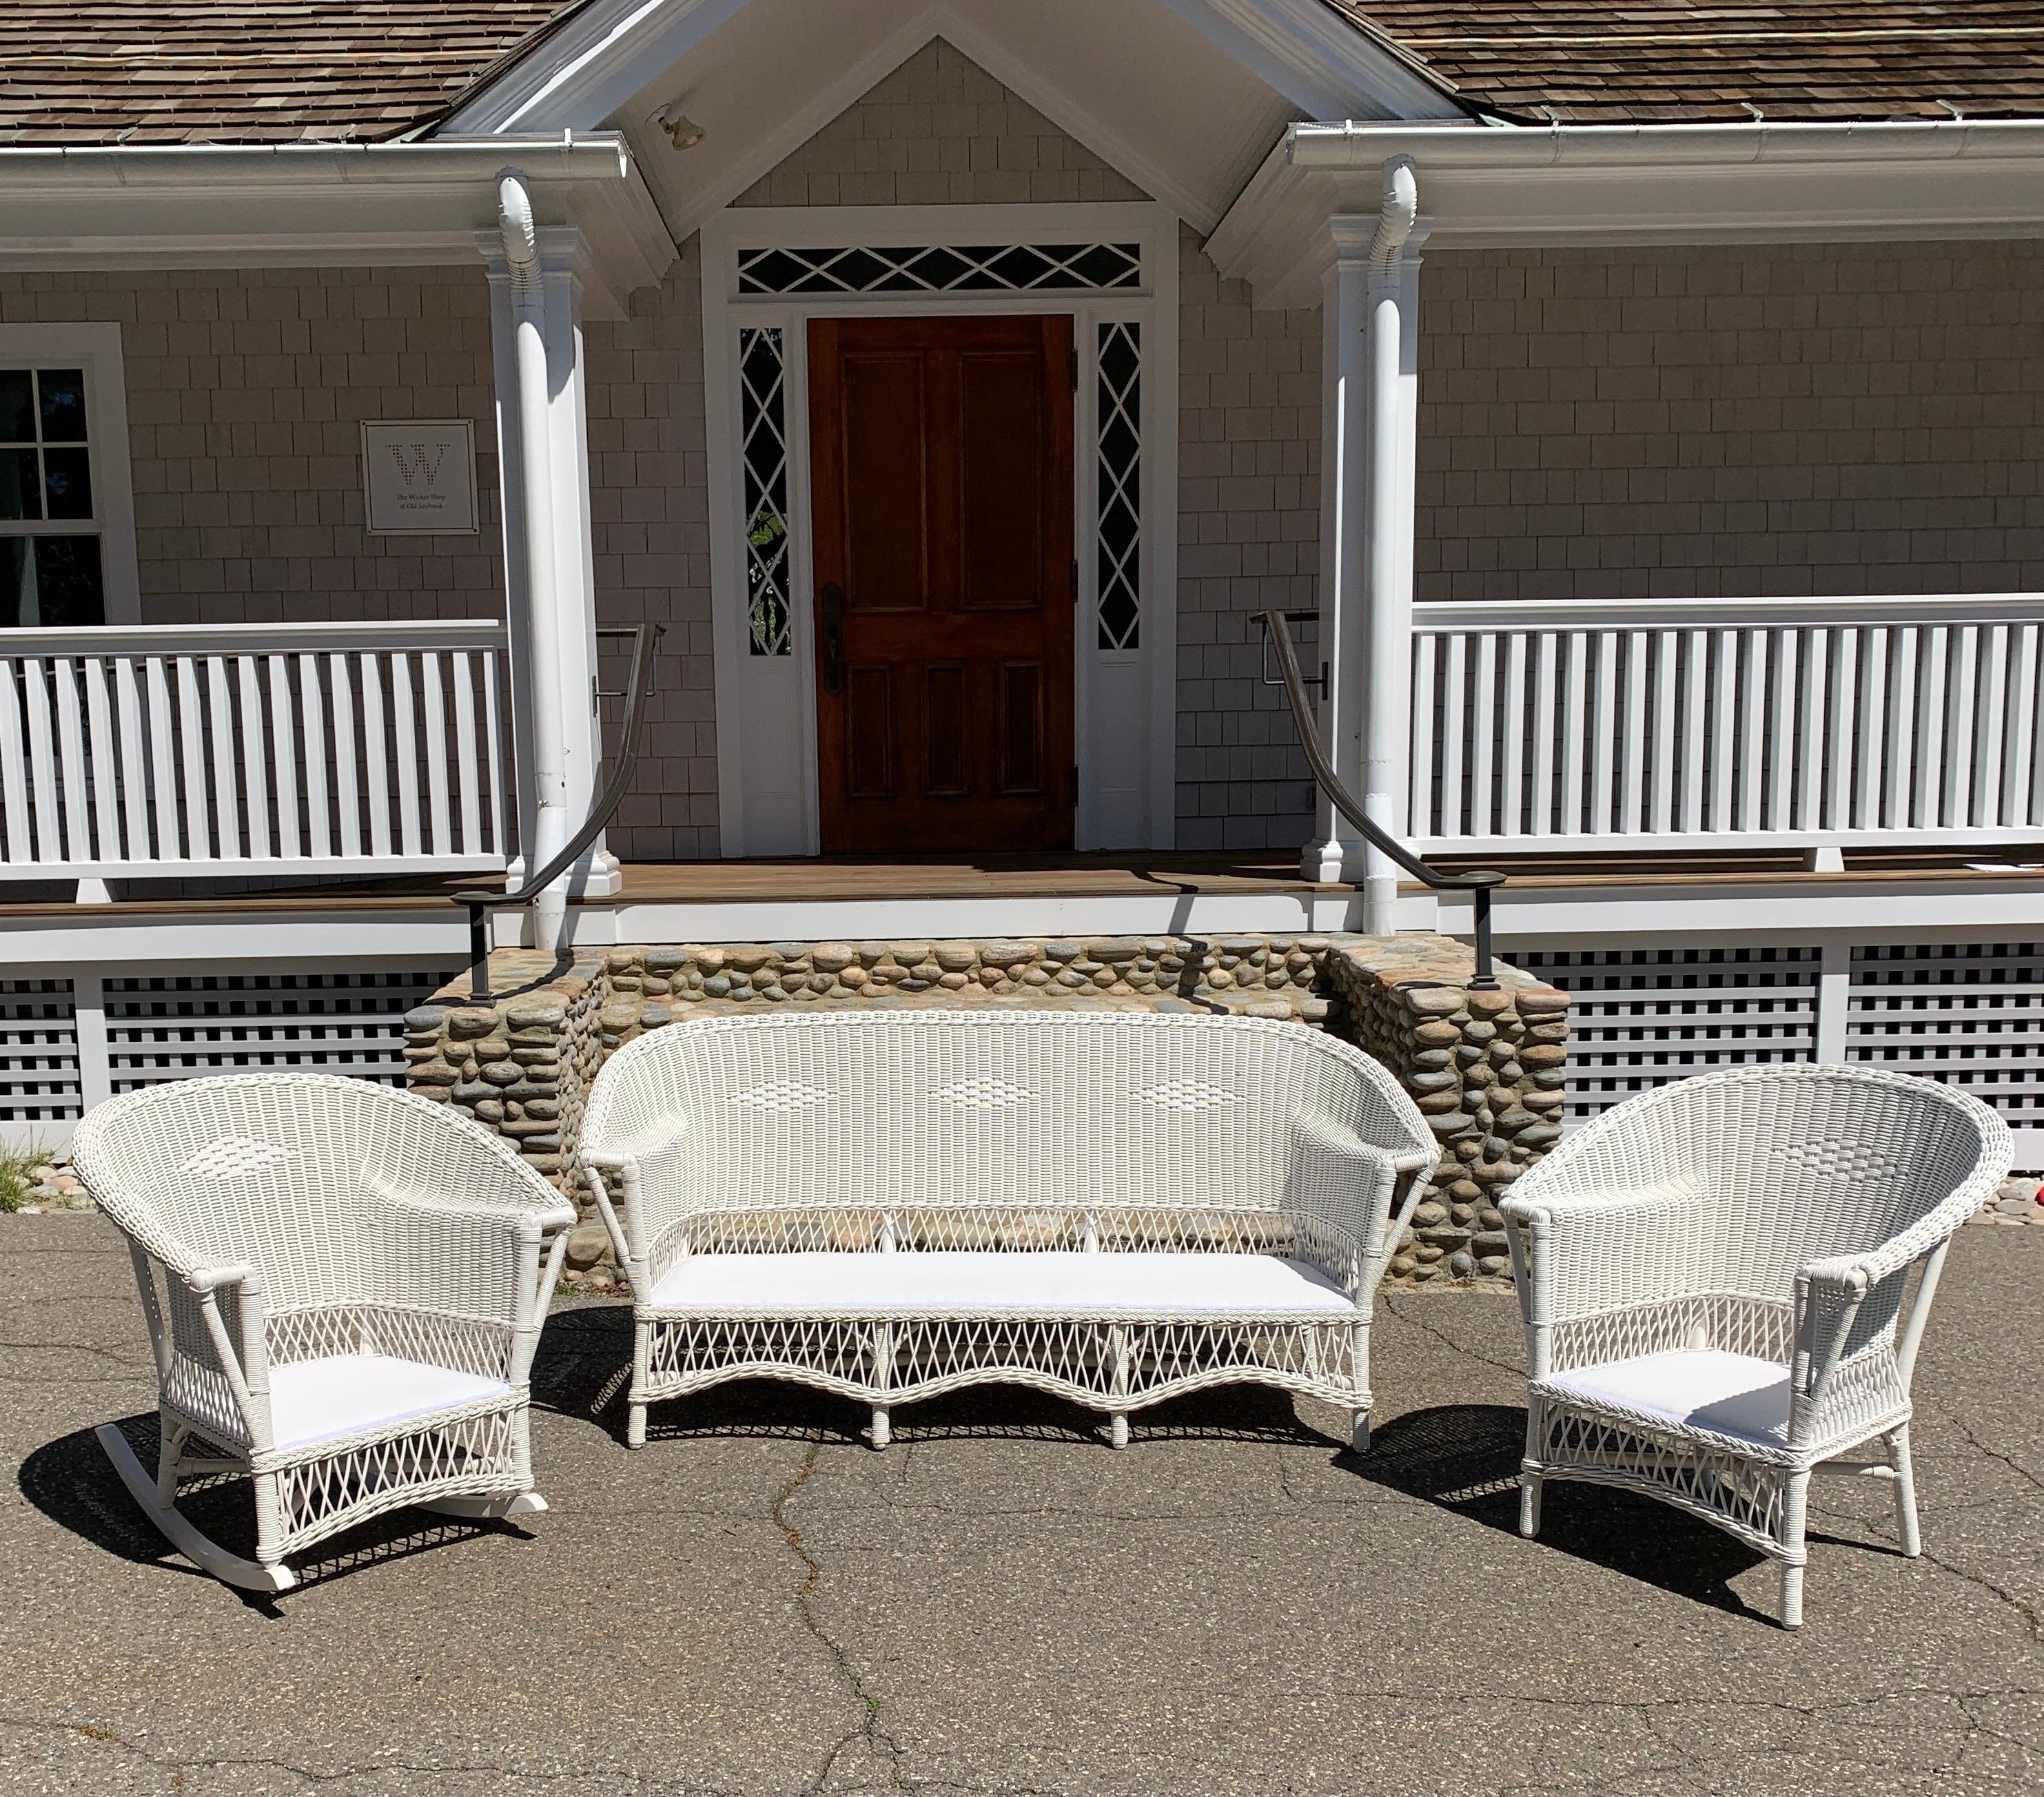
774	147
1302	48
1318	60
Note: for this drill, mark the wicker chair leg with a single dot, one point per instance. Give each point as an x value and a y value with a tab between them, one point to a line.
1358	1430
1795	1505
169	1454
635	1425
878	1434
1117	1429
1905	1491
1530	1474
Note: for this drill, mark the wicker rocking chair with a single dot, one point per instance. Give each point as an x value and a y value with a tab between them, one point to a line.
1714	1282
344	1286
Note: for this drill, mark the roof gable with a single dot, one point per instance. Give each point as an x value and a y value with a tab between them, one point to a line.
228	71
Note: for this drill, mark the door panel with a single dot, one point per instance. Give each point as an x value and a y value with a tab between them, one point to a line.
871	726
885	478
940	452
1001	403
946	762
1020	724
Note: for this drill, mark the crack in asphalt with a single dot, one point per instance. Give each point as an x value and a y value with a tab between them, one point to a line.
1972	1441
1387	1300
871	1731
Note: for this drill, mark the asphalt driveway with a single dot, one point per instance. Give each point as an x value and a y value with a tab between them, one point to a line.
757	1604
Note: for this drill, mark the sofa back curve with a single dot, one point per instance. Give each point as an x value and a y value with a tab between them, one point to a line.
1027	1110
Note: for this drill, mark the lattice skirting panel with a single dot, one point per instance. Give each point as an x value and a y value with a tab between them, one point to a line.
1970	1014
1643	1016
70	1043
39	1081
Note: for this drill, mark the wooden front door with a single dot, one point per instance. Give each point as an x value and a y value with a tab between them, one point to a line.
941	464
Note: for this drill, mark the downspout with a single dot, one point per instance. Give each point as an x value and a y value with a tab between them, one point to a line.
1387	605
549	746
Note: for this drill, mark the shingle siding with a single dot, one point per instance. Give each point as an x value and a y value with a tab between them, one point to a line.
1824	418
1249	460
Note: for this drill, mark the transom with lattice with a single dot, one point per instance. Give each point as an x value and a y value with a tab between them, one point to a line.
942	268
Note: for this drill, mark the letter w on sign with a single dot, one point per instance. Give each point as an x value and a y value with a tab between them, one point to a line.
418	460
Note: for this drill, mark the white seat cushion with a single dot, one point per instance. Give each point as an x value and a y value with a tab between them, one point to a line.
314	1400
1704	1388
979	1283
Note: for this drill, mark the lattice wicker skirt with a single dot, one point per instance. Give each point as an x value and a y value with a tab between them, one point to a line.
1113	1364
304	1494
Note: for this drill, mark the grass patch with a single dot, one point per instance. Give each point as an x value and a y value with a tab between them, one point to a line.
16	1175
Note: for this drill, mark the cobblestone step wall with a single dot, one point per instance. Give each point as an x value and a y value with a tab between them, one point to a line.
1488	1069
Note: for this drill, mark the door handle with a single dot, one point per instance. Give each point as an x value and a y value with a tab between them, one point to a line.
832	609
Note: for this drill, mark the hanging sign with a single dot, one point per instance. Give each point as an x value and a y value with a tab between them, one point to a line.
419	476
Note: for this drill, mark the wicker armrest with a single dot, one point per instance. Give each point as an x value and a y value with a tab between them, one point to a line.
1579	1254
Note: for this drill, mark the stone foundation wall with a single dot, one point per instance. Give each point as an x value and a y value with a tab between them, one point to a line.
1487	1069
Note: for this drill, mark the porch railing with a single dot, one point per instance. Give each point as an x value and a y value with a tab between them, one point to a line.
185	750
1724	724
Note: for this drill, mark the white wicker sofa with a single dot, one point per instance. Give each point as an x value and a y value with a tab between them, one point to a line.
1113	1206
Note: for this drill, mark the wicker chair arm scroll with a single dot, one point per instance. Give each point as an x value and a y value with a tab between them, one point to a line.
625	1173
1594	1253
1364	1191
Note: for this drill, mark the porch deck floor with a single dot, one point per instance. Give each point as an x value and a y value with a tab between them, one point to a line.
1062	876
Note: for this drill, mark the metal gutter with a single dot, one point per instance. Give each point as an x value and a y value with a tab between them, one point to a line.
1353	145
438	162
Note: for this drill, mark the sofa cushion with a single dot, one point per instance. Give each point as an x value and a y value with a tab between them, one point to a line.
916	1284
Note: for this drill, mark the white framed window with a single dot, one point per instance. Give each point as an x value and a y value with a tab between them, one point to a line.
67	497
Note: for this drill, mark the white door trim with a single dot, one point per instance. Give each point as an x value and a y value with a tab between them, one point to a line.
1124	700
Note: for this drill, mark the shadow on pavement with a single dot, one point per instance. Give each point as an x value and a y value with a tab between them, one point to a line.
1465	1458
70	1481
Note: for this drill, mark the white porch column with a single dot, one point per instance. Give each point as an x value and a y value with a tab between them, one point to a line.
562	484
1370	436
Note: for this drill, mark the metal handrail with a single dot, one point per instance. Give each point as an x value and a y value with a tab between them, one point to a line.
1480	881
645	637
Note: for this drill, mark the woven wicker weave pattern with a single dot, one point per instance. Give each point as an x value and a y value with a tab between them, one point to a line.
284	1223
1771	1214
1002	1133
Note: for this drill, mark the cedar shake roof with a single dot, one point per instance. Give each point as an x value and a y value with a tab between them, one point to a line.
241	71
246	71
1628	62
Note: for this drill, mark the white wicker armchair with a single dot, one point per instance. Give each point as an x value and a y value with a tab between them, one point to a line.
344	1286
1714	1277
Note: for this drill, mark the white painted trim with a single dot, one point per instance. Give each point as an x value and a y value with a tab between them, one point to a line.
1322	62
1615	185
874	919
1445	616
592	65
95	348
780	700
312	206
